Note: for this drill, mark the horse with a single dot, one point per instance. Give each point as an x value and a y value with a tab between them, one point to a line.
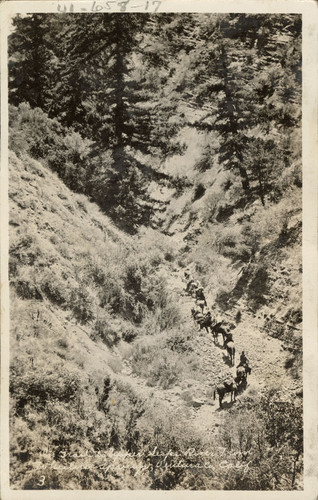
206	322
201	304
223	389
193	289
218	330
200	299
197	315
203	320
231	351
241	375
190	286
242	371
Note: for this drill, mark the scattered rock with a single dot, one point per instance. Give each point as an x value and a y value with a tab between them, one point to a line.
186	396
197	403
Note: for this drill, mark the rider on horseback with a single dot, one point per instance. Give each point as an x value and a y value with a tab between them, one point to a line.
199	294
227	337
190	283
243	360
194	286
200	298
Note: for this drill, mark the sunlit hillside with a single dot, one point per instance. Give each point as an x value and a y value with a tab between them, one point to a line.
155	196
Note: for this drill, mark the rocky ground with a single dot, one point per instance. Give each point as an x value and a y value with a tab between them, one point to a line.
62	233
193	397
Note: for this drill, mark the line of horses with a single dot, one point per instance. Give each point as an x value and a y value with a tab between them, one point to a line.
205	321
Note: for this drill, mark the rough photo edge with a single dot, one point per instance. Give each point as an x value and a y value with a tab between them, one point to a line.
309	12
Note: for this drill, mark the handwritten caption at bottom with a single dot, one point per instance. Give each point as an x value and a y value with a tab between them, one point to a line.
143	462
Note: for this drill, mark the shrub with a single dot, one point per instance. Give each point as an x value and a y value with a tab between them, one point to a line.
169	316
177	341
25	249
104	329
269	223
65	151
164	370
37	388
32	131
129	334
82	203
159	361
55	287
26	284
212	202
263	444
112	294
82	303
95	271
198	191
63	343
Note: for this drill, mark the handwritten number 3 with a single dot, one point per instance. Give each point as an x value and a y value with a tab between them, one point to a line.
42	481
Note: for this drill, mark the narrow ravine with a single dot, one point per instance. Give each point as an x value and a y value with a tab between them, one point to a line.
194	398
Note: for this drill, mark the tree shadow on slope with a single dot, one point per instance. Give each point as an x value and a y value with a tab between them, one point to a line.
258	288
253	283
234	295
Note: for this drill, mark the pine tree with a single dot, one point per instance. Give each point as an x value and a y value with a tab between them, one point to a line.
130	83
245	81
30	60
93	89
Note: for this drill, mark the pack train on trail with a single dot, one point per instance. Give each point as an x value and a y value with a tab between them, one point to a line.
205	320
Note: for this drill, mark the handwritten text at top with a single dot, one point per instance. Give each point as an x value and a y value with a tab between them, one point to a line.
110	6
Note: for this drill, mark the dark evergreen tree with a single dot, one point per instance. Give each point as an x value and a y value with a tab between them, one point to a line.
246	81
93	91
130	83
30	63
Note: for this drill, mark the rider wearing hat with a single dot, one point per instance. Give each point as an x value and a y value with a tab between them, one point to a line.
199	294
228	337
243	360
190	283
200	298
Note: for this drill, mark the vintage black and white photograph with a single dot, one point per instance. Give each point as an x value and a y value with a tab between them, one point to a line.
155	250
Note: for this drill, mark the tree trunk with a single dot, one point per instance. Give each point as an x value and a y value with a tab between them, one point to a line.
234	125
119	119
261	187
244	177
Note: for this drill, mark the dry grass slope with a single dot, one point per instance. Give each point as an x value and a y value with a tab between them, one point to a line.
106	365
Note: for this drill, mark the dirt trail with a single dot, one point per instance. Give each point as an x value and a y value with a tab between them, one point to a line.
195	397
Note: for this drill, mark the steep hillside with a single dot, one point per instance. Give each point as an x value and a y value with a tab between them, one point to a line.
247	254
78	286
147	147
111	383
